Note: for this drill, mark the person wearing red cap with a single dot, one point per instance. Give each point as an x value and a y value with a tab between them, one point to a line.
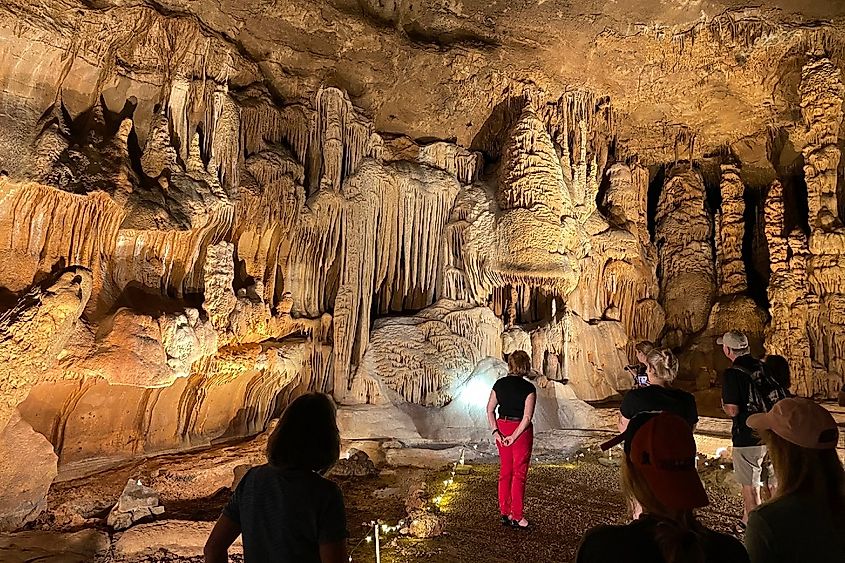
805	521
659	473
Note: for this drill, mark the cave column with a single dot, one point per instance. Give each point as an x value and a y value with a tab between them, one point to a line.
821	105
730	226
685	255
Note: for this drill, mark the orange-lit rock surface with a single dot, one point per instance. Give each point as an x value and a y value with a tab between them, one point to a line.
208	208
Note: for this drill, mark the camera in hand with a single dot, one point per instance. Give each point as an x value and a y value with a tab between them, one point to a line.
639	375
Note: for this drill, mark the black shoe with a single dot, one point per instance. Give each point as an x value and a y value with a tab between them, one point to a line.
515	524
506	520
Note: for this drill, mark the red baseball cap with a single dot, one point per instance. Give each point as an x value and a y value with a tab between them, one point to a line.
662	448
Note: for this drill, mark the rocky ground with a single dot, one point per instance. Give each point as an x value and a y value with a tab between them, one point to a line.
564	499
567	494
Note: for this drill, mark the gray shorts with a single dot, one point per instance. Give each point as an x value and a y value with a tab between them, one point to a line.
748	464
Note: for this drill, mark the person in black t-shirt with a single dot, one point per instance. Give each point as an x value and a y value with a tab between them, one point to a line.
515	398
285	510
661	368
748	451
659	473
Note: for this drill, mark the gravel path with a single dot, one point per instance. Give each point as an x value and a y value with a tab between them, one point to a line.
563	500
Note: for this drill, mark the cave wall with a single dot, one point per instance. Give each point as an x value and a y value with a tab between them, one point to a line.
200	221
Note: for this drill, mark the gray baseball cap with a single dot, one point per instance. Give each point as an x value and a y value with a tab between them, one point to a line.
733	340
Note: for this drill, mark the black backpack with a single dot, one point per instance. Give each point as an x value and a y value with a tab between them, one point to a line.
764	390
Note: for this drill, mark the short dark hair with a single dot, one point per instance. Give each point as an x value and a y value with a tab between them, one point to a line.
306	436
519	363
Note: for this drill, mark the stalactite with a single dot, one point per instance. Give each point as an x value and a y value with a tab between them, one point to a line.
464	164
167	262
44	227
380	236
537	232
178	114
343	138
263	124
223	141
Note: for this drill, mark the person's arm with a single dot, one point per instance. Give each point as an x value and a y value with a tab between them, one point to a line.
224	533
730	394
627	410
333	552
491	416
332	529
693	411
527	415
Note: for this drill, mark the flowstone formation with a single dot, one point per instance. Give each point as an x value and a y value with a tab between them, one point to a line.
207	209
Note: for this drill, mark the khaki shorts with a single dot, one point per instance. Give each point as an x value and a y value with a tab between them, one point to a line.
748	464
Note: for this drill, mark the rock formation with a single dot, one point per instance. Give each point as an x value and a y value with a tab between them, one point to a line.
207	209
806	288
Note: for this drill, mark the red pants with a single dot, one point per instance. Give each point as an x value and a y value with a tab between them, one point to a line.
514	468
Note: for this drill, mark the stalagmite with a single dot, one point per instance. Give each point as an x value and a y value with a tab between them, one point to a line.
730	228
425	358
34	332
682	236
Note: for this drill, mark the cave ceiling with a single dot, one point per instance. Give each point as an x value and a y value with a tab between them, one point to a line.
724	72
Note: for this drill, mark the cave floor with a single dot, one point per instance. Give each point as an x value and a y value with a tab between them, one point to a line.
565	497
563	500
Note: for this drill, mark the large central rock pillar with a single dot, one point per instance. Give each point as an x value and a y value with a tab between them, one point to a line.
685	256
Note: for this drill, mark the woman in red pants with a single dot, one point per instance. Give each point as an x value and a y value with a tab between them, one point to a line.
515	396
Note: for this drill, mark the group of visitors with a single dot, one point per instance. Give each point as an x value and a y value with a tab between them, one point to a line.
287	511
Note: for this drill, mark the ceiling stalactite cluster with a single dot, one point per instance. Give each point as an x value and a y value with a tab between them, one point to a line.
208	208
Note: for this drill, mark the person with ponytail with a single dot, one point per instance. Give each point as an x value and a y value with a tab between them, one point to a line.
659	474
805	521
659	395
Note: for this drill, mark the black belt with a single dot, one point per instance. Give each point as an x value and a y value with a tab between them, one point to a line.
510	418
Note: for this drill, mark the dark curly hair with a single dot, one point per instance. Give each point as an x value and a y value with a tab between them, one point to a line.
306	436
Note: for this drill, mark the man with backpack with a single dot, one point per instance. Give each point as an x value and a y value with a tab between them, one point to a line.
747	388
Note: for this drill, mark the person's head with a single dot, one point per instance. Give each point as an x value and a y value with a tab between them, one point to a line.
642	349
661	366
659	472
734	344
306	436
801	437
778	367
519	363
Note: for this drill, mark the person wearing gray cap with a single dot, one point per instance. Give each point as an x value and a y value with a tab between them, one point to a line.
747	389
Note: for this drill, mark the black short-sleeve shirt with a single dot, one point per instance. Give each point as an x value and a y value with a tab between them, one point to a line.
736	388
511	392
636	543
286	514
656	398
